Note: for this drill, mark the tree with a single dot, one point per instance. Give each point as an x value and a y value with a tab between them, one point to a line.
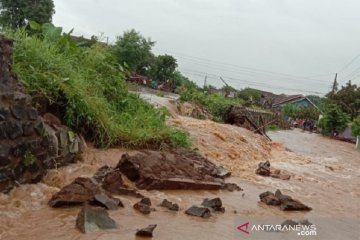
355	127
251	96
134	50
348	98
290	110
163	68
334	120
308	113
17	13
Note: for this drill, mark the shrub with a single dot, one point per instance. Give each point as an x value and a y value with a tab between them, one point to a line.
355	127
334	120
217	105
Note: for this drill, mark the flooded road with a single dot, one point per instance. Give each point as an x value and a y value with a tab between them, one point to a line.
325	176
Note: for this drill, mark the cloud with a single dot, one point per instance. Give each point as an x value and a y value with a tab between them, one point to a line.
295	37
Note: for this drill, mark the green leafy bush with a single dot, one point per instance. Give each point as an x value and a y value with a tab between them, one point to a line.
217	105
97	102
334	120
355	127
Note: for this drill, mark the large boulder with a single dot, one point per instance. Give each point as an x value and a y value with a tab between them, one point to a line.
91	219
84	190
178	169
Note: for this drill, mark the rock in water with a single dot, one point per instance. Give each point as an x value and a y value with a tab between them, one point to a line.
146	201
263	169
198	212
215	204
169	205
178	169
107	202
91	219
143	206
146	232
231	187
286	202
269	199
78	192
293	205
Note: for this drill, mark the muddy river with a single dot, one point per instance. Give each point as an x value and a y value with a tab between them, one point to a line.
325	176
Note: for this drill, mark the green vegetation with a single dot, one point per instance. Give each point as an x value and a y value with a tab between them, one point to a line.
249	95
291	110
216	104
29	159
272	127
90	83
334	120
16	13
347	98
355	126
133	50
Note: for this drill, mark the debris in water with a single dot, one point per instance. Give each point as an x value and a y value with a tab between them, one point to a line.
285	202
91	219
169	205
143	206
198	212
178	169
231	187
215	204
108	202
78	192
111	180
146	232
83	190
265	170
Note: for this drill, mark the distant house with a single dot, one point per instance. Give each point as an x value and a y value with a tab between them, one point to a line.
271	100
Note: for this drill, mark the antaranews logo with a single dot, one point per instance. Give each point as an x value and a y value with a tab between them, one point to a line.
301	230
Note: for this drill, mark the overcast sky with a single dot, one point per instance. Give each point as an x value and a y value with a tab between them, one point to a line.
290	46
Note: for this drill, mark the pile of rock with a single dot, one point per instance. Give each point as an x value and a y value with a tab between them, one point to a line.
178	169
285	202
28	145
264	169
153	170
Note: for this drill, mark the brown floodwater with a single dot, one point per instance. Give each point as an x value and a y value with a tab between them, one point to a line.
325	175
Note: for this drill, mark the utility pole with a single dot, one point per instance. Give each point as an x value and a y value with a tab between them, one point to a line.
335	85
205	92
224	81
205	81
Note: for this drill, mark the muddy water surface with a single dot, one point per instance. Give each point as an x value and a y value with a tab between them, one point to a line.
325	176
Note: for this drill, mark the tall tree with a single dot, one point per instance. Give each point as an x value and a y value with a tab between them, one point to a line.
348	98
16	13
134	50
334	120
163	68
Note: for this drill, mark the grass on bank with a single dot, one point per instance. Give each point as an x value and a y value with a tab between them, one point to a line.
89	86
217	105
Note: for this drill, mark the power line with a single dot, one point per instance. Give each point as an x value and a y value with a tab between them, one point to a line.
348	64
251	73
251	83
209	62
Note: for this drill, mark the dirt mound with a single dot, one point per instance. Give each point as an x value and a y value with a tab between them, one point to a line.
236	149
193	110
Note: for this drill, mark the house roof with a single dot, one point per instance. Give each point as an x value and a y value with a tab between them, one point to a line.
283	99
276	100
